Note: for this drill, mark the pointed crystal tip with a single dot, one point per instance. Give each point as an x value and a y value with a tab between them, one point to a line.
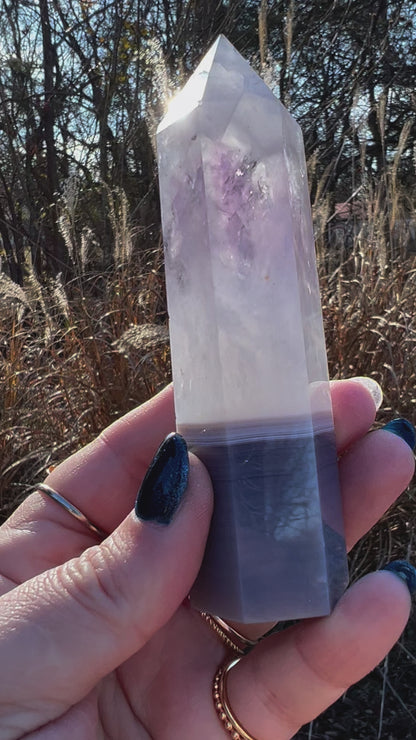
221	58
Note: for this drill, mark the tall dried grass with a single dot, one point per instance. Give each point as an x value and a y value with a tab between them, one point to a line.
74	357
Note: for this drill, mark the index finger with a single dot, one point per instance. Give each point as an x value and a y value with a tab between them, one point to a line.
102	480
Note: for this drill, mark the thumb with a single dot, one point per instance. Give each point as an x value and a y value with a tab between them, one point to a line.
64	630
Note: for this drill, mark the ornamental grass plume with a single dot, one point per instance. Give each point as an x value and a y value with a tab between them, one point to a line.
76	356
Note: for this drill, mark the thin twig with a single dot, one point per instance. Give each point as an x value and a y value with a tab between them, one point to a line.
383	697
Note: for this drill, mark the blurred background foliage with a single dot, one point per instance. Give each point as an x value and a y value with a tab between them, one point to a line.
83	323
84	83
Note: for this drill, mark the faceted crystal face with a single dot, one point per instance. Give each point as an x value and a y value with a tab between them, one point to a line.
239	244
248	351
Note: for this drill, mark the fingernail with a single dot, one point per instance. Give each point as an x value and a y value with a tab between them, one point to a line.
165	481
405	571
373	387
403	429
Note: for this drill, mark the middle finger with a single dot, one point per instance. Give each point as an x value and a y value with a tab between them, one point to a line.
102	480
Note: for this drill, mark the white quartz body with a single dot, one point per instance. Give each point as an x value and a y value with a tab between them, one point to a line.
243	295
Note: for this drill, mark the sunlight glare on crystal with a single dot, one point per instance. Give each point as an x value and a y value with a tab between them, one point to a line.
184	102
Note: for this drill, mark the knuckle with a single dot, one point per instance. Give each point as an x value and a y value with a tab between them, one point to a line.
92	583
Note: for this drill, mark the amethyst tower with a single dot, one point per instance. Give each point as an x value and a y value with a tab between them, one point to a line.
248	350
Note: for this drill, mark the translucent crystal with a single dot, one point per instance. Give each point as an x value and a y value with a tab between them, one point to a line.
248	349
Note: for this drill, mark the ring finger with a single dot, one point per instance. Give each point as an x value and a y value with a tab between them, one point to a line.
103	478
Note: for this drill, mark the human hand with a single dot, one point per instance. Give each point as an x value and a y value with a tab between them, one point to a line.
98	640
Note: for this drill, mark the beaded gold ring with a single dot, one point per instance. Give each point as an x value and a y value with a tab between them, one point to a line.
222	705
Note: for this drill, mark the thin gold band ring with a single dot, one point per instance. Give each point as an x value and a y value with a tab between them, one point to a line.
70	508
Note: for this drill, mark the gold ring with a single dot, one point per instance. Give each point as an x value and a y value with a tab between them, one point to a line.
222	705
233	639
70	508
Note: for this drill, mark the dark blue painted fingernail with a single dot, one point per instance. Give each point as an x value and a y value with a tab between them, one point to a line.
405	571
403	429
165	481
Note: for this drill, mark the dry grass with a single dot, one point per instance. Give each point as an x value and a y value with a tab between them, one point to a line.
371	329
75	357
72	360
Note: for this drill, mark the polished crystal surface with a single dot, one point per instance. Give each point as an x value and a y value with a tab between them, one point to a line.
248	350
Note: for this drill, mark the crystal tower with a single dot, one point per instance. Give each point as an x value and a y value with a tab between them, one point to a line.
248	350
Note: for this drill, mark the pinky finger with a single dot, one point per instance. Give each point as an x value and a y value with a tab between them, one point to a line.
295	675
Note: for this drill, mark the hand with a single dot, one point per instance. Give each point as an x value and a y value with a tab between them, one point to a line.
98	640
